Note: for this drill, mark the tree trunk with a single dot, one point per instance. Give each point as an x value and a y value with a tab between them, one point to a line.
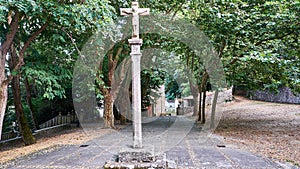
31	109
108	106
204	87
5	46
108	111
14	24
199	104
3	92
213	109
196	106
195	93
23	123
203	118
3	102
108	95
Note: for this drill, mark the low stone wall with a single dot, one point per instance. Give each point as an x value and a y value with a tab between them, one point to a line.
284	95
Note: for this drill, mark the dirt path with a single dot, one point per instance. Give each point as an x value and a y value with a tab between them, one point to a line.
268	129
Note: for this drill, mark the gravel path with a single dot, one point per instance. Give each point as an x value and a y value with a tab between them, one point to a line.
190	152
74	136
268	129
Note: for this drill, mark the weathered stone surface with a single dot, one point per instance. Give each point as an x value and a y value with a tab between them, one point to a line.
127	165
140	158
136	157
129	154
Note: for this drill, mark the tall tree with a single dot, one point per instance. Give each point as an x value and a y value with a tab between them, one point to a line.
252	39
23	21
21	118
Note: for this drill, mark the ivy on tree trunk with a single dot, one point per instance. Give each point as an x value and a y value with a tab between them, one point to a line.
30	105
24	128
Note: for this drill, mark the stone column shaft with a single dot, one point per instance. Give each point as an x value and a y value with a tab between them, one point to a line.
136	92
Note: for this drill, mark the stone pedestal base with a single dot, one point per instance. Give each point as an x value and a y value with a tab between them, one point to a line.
144	158
145	154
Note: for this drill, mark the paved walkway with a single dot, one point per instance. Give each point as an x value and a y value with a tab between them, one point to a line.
178	137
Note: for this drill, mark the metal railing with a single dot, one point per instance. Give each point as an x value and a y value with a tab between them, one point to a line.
58	120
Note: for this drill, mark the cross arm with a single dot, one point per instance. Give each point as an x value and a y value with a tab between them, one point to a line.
126	11
144	11
129	11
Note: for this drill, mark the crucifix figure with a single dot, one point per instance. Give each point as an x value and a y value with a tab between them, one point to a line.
136	43
135	11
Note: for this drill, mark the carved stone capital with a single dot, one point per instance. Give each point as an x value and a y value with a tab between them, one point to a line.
135	41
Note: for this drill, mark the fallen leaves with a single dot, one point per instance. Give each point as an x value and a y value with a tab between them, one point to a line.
268	129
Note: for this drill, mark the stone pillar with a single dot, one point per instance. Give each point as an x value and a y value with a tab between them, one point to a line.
135	54
136	91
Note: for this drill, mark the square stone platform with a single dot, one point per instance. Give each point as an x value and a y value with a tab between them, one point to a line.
144	158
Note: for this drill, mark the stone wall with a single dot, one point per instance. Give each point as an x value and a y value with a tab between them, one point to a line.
284	95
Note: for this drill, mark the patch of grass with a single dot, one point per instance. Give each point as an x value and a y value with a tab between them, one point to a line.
293	162
258	102
276	104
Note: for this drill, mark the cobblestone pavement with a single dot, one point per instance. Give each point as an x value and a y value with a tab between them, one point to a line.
176	136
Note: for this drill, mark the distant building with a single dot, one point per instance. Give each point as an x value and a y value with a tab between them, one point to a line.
187	101
171	104
158	107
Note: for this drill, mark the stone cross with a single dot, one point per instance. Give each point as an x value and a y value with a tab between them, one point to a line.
136	43
135	11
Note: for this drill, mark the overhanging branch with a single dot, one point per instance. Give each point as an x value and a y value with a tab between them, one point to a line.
274	38
10	36
22	52
32	37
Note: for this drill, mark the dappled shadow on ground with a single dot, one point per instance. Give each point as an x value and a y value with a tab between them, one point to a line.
270	129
